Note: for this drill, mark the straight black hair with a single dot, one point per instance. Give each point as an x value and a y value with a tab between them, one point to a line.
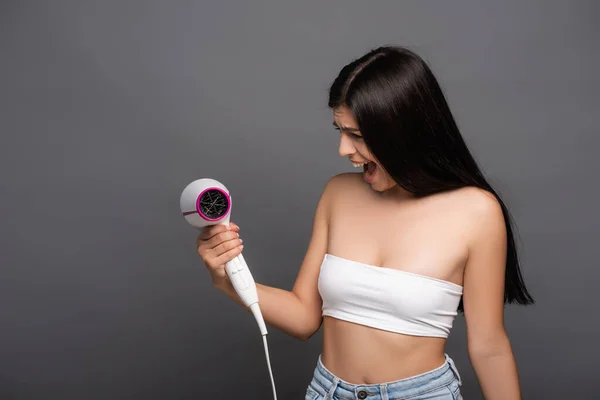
406	123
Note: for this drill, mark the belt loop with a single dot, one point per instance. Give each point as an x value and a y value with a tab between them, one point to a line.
384	392
332	389
454	369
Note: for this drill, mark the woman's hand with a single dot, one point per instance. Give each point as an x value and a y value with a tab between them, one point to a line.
216	246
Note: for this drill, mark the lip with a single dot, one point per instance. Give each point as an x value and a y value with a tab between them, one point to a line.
372	177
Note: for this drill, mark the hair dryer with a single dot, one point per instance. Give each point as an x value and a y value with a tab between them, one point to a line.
206	202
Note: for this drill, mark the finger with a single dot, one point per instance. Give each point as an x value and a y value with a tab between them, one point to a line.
229	255
215	241
226	246
234	226
221	238
211	231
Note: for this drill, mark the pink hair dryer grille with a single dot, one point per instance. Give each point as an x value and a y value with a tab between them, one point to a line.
213	204
205	202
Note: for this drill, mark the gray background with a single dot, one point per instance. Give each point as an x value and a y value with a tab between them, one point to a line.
108	109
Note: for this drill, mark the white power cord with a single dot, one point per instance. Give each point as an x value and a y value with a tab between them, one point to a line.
269	366
263	331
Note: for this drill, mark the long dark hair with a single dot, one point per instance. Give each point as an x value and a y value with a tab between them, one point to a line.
406	123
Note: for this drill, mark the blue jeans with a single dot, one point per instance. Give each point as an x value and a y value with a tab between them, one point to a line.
442	383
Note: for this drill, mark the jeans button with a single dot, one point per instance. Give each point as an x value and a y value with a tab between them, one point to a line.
362	394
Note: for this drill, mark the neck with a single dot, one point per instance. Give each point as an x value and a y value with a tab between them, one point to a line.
396	193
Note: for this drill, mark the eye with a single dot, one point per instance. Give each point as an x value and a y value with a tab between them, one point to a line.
352	135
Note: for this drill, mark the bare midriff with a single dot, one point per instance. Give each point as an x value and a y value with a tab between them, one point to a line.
363	355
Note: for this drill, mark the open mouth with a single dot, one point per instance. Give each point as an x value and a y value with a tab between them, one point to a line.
369	169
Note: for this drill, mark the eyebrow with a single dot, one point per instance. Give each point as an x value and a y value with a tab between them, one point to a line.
346	128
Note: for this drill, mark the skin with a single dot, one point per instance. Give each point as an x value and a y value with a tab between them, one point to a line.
458	236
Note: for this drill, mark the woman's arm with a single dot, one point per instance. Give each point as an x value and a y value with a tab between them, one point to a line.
297	312
489	348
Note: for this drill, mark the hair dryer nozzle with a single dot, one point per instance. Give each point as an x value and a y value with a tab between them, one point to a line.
205	202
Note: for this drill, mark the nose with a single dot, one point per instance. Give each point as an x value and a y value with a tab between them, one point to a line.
346	147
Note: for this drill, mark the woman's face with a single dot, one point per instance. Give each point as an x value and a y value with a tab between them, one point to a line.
353	146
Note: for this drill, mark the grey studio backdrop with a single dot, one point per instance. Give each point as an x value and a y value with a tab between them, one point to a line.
108	109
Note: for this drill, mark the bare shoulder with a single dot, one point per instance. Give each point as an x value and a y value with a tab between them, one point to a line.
479	197
482	205
346	179
466	202
483	212
341	183
477	201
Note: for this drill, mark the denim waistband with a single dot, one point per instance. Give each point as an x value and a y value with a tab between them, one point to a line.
326	383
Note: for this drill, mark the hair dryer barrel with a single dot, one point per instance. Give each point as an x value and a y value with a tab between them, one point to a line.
205	202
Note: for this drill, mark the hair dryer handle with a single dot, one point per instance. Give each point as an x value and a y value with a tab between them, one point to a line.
242	280
245	287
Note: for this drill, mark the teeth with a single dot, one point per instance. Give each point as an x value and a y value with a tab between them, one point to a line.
358	165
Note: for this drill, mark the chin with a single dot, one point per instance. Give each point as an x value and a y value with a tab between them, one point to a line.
383	186
379	187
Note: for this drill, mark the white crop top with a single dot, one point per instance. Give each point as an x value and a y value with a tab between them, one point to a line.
386	298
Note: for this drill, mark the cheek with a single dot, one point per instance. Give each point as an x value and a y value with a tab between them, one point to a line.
362	149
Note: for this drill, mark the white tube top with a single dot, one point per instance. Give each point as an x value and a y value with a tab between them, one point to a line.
386	298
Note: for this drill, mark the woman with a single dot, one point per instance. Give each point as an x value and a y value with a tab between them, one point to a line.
397	250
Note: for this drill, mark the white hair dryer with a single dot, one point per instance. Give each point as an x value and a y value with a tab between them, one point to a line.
207	202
